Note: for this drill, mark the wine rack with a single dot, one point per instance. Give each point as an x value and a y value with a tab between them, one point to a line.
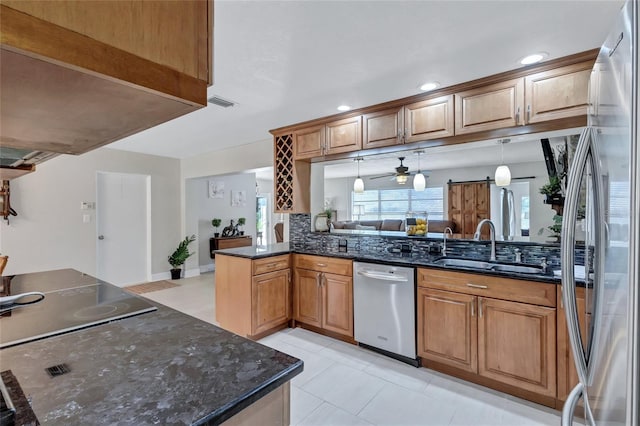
291	178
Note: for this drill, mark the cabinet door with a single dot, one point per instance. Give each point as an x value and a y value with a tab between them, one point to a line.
307	297
382	128
270	300
447	328
309	142
469	203
337	302
344	135
557	93
490	107
567	374
430	119
517	345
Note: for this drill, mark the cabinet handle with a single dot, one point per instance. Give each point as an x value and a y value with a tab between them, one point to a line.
473	308
271	265
477	286
528	113
321	265
517	116
323	280
480	308
318	279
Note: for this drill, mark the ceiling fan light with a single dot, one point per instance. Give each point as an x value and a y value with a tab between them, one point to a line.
358	185
419	182
503	176
401	179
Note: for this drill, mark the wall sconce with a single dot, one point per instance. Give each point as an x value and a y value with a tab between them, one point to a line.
503	174
358	184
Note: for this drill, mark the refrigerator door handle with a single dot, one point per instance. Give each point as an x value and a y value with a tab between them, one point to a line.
568	255
570	405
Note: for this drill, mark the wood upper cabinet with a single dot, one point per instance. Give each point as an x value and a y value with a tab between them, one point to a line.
517	345
557	93
447	328
175	34
253	297
567	374
323	293
307	297
429	119
309	142
344	135
270	300
337	298
490	107
383	128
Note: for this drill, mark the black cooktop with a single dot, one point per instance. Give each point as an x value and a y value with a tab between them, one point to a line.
65	310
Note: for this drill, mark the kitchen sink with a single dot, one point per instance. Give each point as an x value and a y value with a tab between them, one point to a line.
490	266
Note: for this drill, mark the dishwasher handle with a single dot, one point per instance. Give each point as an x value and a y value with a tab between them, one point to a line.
384	277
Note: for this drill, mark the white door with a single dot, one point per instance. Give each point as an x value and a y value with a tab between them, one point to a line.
123	228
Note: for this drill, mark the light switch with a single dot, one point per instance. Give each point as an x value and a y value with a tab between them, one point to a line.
87	205
86	218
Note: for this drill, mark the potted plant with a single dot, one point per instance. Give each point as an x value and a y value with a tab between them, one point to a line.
241	222
552	191
329	214
556	228
179	256
216	223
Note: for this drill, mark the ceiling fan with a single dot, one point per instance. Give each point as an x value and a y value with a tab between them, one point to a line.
401	175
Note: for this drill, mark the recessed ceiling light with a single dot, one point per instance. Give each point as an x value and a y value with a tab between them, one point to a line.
344	108
532	59
429	86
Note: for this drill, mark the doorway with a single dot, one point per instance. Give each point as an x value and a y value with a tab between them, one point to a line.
123	221
263	220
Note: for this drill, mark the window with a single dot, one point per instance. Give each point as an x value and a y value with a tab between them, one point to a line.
378	204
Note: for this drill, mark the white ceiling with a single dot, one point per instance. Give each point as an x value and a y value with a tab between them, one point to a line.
289	61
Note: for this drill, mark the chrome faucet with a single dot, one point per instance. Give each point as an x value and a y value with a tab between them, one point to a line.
444	239
492	235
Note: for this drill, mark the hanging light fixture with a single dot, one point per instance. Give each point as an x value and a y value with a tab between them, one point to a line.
358	184
419	182
503	174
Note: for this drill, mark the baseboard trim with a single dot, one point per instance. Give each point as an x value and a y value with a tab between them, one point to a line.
167	275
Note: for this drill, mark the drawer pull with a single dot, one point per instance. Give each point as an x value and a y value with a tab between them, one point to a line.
271	265
477	286
321	265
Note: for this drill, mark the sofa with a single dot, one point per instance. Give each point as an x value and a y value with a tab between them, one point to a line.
390	225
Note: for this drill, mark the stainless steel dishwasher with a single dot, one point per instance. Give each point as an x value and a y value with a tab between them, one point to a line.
384	309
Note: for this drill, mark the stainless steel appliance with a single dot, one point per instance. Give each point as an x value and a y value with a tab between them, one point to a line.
384	309
68	309
602	193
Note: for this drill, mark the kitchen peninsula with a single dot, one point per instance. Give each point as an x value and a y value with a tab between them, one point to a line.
160	367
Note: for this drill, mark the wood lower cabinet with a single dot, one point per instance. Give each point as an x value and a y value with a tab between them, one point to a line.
253	297
567	374
477	327
447	328
323	293
517	344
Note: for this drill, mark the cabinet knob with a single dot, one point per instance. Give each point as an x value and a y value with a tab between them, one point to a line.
101	237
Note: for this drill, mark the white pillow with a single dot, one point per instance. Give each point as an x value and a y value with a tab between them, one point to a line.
366	228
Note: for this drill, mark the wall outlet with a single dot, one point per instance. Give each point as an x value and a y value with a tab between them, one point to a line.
86	218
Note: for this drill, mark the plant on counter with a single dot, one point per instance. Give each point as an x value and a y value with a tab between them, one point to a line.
216	223
556	228
179	256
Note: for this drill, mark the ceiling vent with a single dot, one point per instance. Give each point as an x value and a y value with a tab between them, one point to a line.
217	100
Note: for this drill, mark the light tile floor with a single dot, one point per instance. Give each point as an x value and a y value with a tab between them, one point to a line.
343	384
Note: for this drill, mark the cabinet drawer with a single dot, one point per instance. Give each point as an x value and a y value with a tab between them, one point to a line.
324	264
489	286
270	264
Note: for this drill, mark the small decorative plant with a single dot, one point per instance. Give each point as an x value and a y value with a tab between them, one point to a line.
552	188
180	255
241	222
556	228
216	223
329	214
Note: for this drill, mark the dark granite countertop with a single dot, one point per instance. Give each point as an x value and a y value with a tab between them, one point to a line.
397	259
162	367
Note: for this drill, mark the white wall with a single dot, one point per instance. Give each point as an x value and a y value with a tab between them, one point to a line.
49	232
339	190
200	210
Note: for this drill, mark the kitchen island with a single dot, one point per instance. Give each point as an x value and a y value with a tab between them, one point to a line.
160	367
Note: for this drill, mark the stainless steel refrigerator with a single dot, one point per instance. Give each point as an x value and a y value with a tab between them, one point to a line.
602	208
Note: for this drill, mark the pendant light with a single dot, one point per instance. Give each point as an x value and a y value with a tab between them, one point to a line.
358	184
503	174
419	182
